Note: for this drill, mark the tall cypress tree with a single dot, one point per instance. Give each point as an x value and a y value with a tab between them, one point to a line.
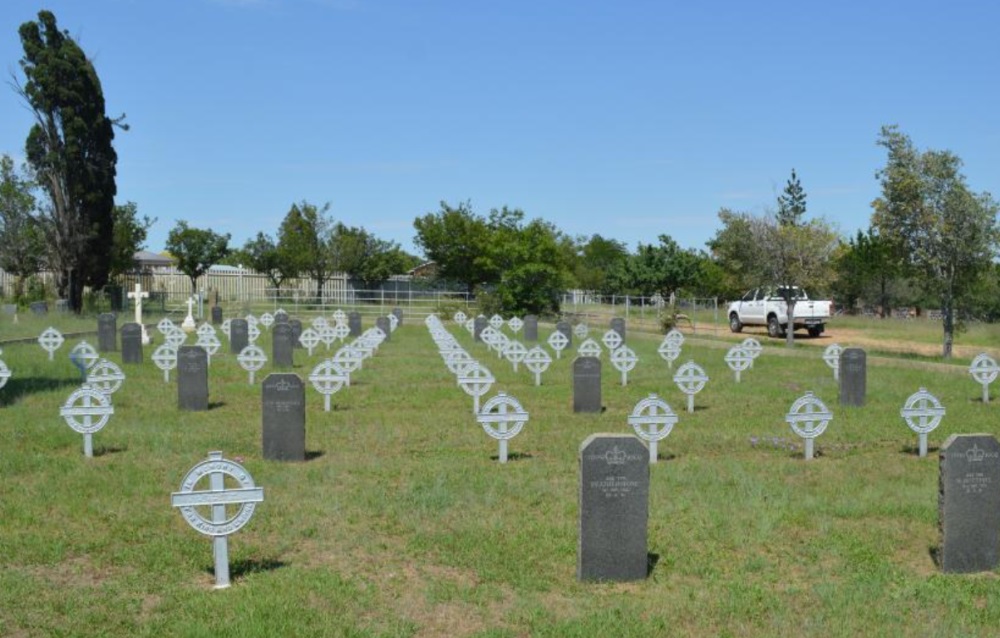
792	203
70	149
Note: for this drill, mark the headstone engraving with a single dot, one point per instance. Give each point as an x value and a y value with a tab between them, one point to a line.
165	358
653	420
984	370
502	417
50	340
832	358
284	417
587	384
107	332
537	360
87	410
853	376
808	418
218	499
922	413
354	323
969	503
131	343
328	378
618	325
192	378
251	358
281	345
239	336
691	379
624	360
614	509
531	328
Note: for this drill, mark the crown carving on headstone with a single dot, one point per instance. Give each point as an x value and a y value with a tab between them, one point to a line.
282	386
975	455
615	456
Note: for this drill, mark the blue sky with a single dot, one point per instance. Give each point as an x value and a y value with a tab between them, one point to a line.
625	118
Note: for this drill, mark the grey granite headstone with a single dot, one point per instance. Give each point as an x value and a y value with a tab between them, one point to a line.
62	305
239	335
192	378
282	345
479	324
107	332
969	503
587	384
216	315
853	376
567	330
530	328
283	417
354	323
9	309
399	316
280	316
614	509
382	323
39	308
618	325
296	325
131	343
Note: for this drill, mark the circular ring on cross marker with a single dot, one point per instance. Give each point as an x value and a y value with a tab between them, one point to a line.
252	358
984	369
589	348
752	346
50	340
652	419
339	316
537	360
253	332
624	359
515	324
5	374
675	336
188	499
738	358
105	377
690	378
558	341
832	355
476	381
86	403
165	357
309	338
514	351
808	416
669	350
319	322
226	327
327	377
266	319
84	353
251	320
165	326
205	329
514	417
612	340
209	342
922	412
176	337
496	321
460	318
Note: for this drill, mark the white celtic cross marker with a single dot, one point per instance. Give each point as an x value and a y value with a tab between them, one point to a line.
612	340
310	339
105	377
138	295
205	329
515	352
165	326
176	337
752	346
984	370
669	350
165	358
327	335
832	357
83	356
558	341
624	359
341	330
4	374
210	343
922	413
738	359
349	359
808	417
496	321
470	325
319	322
690	378
339	316
50	340
652	419
589	348
581	330
253	332
226	328
393	322
515	324
476	381
327	378
502	417
454	359
215	499
267	319
251	359
537	360
676	336
460	318
87	402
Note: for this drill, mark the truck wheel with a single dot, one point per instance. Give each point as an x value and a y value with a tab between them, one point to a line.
815	331
774	328
734	323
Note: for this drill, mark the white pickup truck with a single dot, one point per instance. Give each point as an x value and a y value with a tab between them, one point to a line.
767	307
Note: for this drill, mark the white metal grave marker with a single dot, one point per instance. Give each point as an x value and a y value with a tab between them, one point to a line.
393	322
319	322
612	340
328	378
251	358
83	355
515	352
50	340
4	374
226	328
188	324
984	370
253	332
105	377
476	381
349	359
652	419
558	342
922	413
310	339
87	410
496	321
165	326
832	357
515	324
808	417
738	359
669	350
205	329
327	335
690	378
266	319
341	330
502	417
210	343
460	318
675	336
752	346
537	360
193	503
581	330
339	316
624	360
176	337
470	325
165	358
589	348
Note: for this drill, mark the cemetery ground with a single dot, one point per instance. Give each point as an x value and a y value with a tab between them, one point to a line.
402	523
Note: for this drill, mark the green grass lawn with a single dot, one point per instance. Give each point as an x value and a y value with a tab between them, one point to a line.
402	524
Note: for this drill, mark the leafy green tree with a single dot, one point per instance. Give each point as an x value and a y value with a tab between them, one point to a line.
947	234
662	269
263	255
22	246
596	257
305	239
737	249
458	241
70	150
868	268
368	260
129	236
535	264
196	250
792	202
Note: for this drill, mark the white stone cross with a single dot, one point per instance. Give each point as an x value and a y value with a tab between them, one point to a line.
515	352
496	321
216	498
476	381
165	326
515	324
253	332
470	325
984	370
612	340
675	336
188	324
310	339
832	357
669	350
88	403
138	295
502	417
738	359
251	358
808	417
624	360
652	419
205	329
176	337
105	377
349	359
267	319
922	413
537	360
226	328
341	330
165	358
690	378
328	378
456	358
327	334
50	340
558	342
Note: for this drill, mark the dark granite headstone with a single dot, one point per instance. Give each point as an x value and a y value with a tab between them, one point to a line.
614	509
354	323
618	325
282	345
192	378
399	316
296	325
567	330
382	323
281	317
283	417
969	503
239	337
853	376
587	384
478	325
530	328
216	315
131	343
39	308
62	305
10	309
107	332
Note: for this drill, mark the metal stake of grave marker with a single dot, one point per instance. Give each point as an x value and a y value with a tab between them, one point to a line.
922	413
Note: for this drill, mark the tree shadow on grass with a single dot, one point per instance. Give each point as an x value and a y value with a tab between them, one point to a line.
215	405
245	567
24	386
312	455
109	449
